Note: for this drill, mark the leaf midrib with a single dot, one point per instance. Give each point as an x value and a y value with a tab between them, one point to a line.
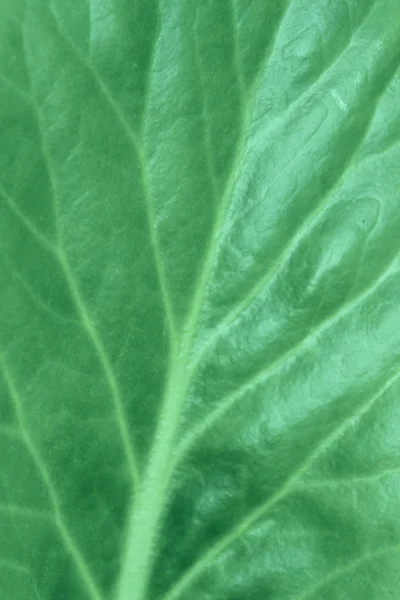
147	508
173	401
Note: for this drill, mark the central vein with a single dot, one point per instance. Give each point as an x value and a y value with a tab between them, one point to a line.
146	511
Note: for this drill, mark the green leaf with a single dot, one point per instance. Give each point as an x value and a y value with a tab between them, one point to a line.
199	288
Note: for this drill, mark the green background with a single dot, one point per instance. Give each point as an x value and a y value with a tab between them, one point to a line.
199	299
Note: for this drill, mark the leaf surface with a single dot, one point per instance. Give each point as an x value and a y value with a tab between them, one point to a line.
199	284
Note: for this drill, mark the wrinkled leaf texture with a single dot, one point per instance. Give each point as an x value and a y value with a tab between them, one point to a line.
200	318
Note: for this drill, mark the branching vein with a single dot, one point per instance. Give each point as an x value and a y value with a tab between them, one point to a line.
65	534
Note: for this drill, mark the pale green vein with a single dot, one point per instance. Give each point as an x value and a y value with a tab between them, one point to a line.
348	569
146	512
216	238
149	74
105	363
39	237
236	57
328	66
287	488
204	107
90	329
386	150
83	312
194	313
276	122
350	420
269	49
196	307
102	87
138	151
38	301
205	560
287	113
150	503
66	537
230	400
151	220
348	481
304	231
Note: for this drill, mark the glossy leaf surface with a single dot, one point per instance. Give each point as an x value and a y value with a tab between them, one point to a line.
199	292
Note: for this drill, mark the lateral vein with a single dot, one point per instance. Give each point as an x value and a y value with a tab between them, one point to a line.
81	307
230	400
86	575
138	151
304	230
283	492
347	569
